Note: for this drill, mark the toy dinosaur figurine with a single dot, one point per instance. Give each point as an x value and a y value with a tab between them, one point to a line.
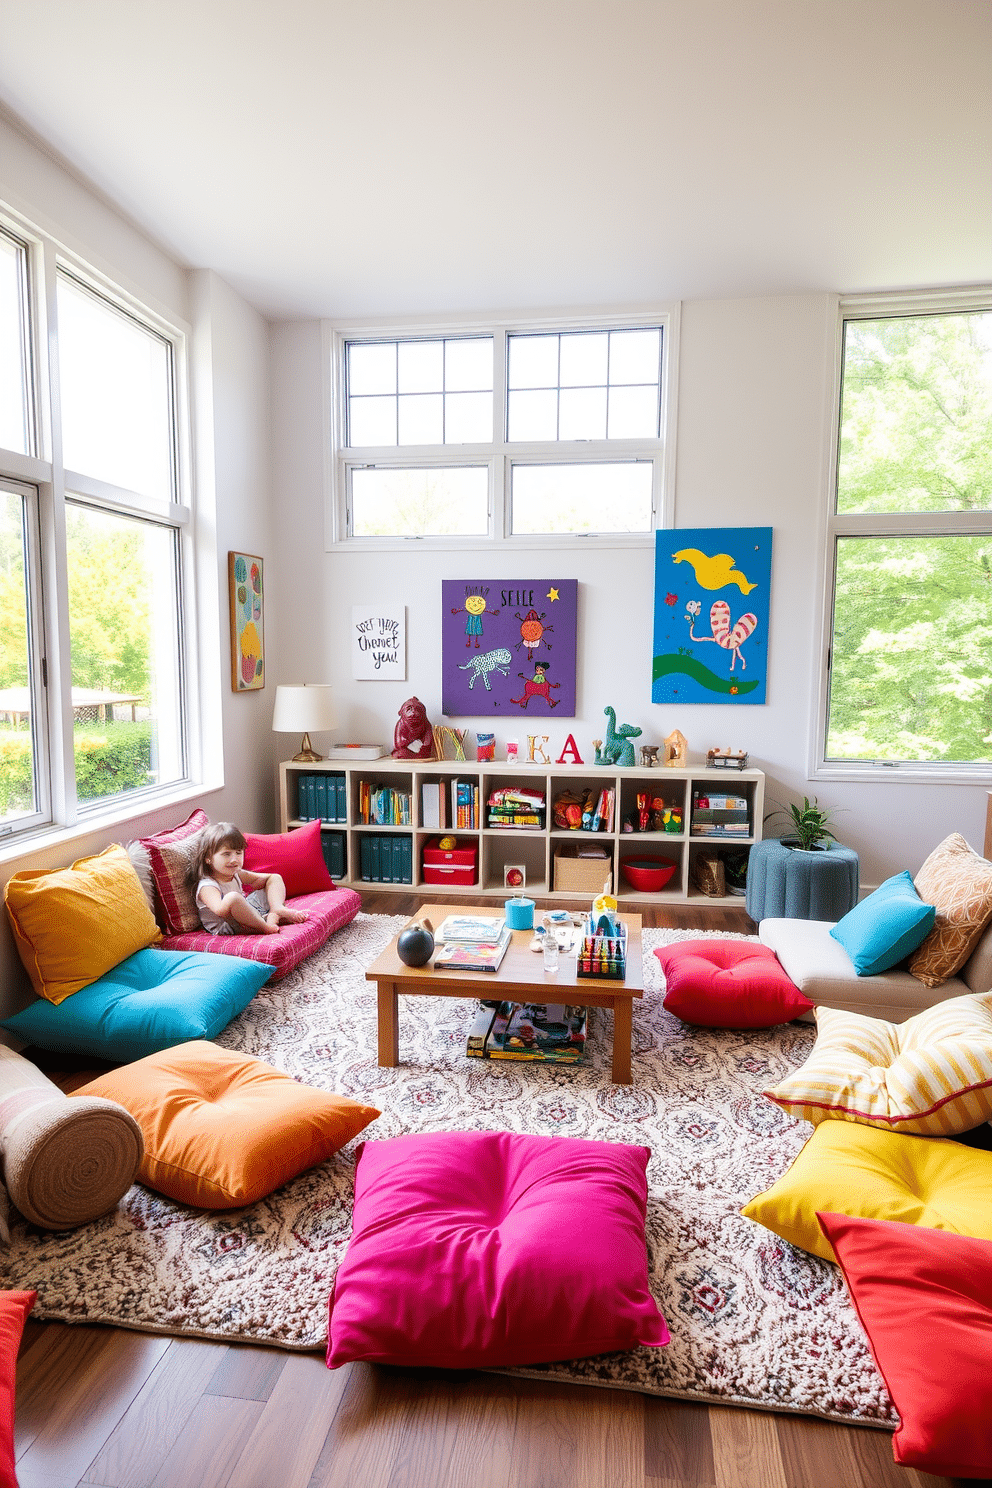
617	748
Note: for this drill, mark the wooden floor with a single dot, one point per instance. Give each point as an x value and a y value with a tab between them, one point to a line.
102	1406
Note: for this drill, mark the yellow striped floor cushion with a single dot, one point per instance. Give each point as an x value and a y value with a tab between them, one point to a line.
931	1075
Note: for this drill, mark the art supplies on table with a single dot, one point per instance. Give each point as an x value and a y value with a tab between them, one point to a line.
602	953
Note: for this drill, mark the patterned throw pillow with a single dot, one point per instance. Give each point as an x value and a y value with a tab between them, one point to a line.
959	883
931	1075
171	856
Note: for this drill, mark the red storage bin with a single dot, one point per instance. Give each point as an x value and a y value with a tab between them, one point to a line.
450	865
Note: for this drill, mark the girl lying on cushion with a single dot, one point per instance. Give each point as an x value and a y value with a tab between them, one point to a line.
221	882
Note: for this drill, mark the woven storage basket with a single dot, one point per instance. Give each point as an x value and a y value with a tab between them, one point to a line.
581	875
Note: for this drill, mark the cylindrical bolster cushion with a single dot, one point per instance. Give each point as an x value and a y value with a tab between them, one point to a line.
72	1160
65	1161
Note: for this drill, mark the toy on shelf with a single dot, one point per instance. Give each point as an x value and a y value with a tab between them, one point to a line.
726	759
413	727
649	756
617	748
677	747
567	810
643	812
570	753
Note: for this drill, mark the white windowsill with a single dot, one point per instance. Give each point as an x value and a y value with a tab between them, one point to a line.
31	845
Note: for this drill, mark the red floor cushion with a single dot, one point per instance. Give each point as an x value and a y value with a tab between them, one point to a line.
475	1249
296	856
728	984
14	1309
326	913
925	1300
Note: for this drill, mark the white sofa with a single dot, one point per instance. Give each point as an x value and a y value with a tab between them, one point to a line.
824	972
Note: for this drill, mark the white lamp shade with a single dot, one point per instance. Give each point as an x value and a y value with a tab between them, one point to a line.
304	708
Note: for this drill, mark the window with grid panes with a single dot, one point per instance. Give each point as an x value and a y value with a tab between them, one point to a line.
521	432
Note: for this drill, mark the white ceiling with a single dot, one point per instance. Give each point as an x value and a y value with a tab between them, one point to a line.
385	157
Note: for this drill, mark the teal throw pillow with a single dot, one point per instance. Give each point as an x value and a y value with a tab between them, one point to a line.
885	927
151	1001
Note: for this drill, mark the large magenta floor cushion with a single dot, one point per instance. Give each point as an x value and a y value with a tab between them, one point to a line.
728	984
475	1249
326	912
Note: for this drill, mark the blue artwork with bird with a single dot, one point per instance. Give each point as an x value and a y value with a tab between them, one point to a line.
712	587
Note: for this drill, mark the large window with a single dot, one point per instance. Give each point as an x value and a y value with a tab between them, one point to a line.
910	662
502	432
93	534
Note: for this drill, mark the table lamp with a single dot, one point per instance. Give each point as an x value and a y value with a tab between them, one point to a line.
301	707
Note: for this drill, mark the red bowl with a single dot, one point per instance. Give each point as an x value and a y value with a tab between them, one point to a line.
647	874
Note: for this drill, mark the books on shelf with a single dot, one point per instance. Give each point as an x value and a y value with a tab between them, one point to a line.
720	815
514	1030
473	955
465	805
321	797
382	805
515	806
602	816
470	927
332	845
430	804
385	859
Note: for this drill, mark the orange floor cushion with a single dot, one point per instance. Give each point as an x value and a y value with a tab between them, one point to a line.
222	1129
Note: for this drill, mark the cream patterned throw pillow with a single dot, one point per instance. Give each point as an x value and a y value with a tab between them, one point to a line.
931	1075
959	883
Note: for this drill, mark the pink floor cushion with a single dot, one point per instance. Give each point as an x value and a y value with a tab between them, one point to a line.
728	984
924	1298
326	913
476	1249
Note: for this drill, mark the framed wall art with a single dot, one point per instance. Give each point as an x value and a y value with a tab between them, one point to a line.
508	648
244	577
378	643
712	588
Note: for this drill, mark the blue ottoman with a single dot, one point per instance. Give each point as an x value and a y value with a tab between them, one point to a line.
785	883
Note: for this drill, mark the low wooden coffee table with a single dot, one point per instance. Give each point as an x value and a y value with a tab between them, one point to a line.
521	978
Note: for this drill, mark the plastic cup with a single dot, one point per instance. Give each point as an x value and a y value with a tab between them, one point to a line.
550	952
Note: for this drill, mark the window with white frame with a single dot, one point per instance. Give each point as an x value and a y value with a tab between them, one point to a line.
93	537
502	431
910	538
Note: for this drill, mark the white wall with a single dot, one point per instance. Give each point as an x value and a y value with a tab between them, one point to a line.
753	430
232	498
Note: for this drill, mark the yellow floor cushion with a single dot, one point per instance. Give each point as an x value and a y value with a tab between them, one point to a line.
71	925
874	1174
222	1129
931	1076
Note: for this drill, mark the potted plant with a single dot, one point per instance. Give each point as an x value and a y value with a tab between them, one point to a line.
810	832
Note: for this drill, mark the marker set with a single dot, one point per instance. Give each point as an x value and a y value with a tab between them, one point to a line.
603	952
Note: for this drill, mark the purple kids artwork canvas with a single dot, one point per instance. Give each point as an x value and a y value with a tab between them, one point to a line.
508	648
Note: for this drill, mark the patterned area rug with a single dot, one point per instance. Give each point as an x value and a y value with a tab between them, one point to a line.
754	1321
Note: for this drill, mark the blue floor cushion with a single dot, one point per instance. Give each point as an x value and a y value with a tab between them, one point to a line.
151	1001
